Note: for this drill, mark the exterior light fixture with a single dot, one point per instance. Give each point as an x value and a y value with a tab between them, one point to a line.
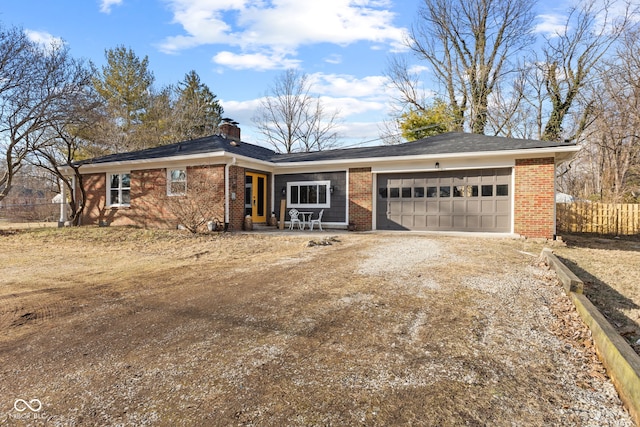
437	165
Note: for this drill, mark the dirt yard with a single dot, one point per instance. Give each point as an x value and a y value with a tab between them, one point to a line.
108	326
610	270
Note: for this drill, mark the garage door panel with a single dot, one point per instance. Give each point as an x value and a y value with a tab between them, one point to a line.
407	221
395	208
432	206
502	205
473	200
488	206
459	206
432	221
444	207
445	222
503	221
459	221
487	221
473	206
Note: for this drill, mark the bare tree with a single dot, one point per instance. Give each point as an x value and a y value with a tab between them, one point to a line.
37	85
292	120
201	202
570	56
60	155
614	137
468	44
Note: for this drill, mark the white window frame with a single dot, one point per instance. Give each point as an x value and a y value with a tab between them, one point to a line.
170	181
120	189
326	184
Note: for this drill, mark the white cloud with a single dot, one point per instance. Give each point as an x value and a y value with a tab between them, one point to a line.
44	39
348	106
550	25
418	69
106	5
333	59
254	61
281	26
348	85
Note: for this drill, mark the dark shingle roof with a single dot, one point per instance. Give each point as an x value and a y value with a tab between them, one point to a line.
448	143
207	144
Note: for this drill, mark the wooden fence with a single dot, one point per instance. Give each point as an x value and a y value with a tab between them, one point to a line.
598	218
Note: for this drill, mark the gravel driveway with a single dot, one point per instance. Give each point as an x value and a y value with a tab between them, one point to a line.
371	329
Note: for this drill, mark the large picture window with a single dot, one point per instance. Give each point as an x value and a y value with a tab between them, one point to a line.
176	182
119	192
309	194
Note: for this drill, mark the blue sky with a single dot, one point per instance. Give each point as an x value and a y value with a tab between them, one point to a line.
237	47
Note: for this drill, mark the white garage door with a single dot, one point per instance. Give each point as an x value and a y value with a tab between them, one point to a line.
474	200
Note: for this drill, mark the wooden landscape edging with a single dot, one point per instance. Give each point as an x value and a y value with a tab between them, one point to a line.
620	360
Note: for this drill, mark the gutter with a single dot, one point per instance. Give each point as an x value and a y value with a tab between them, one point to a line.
227	194
517	153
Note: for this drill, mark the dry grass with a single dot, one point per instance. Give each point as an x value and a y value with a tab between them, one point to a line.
610	269
109	326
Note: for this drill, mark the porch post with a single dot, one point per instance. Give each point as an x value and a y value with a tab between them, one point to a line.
63	204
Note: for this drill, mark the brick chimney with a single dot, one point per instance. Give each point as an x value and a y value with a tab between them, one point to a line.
229	129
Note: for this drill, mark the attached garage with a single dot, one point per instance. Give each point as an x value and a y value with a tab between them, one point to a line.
465	200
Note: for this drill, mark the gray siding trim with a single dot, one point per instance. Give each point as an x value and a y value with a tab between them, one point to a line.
337	213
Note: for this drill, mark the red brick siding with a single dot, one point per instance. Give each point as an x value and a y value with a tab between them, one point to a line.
150	206
236	207
94	206
534	197
360	198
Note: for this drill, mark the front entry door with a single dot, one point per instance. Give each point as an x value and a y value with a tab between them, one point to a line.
255	199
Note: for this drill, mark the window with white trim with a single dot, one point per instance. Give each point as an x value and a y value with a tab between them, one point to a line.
309	194
176	182
119	191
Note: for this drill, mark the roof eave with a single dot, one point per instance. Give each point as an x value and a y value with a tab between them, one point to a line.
567	151
163	161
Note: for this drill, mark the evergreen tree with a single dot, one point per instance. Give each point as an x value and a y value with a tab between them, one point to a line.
125	86
197	111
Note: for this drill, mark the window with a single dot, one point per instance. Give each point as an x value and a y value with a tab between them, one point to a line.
418	191
310	194
487	190
394	192
176	182
432	191
406	192
502	190
119	192
445	191
465	191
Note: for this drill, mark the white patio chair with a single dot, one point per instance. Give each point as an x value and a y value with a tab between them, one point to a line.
294	214
317	221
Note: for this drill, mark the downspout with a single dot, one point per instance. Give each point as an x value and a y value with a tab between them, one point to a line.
227	193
